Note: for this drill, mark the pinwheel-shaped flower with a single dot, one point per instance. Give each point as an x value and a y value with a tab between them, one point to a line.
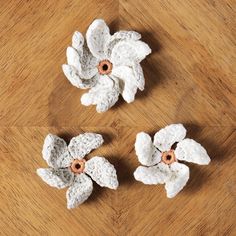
162	159
107	64
67	167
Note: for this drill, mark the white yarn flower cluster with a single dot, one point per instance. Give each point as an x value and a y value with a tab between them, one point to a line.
106	64
68	168
161	160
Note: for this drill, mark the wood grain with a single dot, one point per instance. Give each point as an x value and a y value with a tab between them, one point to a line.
190	78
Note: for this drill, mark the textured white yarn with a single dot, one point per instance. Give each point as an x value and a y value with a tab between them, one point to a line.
127	52
78	42
58	155
158	174
191	151
79	191
104	94
178	179
124	50
169	135
147	154
55	152
127	82
118	37
102	172
138	74
73	76
83	144
175	175
58	178
97	35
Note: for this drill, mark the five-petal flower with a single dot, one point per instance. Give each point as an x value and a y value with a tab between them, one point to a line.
107	64
68	168
161	160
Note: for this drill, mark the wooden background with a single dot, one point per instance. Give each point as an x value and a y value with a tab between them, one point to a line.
190	78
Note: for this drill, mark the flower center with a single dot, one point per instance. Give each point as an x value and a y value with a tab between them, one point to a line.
104	67
77	166
168	157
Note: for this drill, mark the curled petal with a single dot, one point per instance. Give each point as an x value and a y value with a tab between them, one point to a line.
147	154
158	174
102	172
139	77
59	178
55	152
169	135
191	151
88	64
97	35
78	41
73	58
83	144
83	61
120	36
104	94
73	76
128	52
178	179
79	191
128	87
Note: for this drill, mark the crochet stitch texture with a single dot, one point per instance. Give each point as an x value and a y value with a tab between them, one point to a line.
68	168
107	65
161	160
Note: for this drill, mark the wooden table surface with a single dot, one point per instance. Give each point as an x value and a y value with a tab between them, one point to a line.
190	78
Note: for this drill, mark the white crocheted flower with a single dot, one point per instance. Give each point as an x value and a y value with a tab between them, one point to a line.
68	168
162	159
107	64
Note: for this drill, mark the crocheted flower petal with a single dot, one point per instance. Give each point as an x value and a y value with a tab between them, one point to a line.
139	77
158	174
97	35
178	179
127	83
147	154
78	41
79	191
59	178
169	135
88	64
73	76
83	144
104	94
191	151
128	52
55	152
102	172
120	36
83	61
73	58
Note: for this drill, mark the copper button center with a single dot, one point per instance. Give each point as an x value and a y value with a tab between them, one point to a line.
104	67
168	157
77	166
